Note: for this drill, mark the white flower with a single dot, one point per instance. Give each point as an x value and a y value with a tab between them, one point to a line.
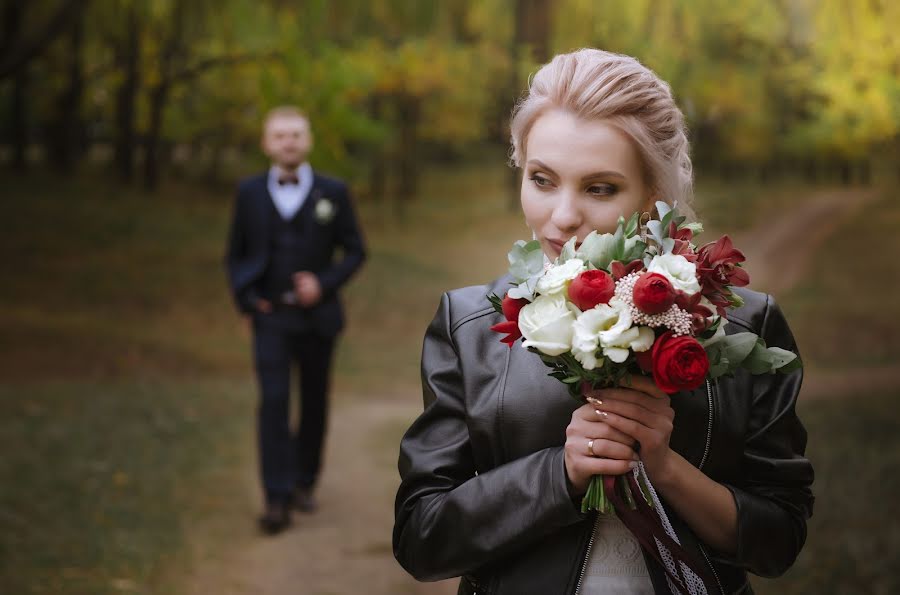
608	326
324	210
546	324
557	278
680	272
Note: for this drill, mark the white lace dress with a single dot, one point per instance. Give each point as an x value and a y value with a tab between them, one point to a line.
616	564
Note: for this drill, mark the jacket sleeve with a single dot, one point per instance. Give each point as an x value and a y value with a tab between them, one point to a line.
450	520
350	239
240	275
774	500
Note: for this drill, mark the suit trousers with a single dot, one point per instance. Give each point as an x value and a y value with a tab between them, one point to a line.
290	459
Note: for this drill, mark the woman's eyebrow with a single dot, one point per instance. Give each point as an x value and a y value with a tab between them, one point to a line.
537	163
603	174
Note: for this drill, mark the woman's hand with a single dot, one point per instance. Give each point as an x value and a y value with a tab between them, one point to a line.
611	450
643	413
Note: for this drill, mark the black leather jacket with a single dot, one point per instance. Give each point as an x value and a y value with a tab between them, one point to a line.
484	493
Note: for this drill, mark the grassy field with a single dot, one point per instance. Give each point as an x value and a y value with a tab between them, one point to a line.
127	394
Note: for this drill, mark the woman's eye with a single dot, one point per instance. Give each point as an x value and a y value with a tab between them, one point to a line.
602	189
540	180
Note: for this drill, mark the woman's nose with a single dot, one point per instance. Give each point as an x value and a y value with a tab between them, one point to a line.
566	213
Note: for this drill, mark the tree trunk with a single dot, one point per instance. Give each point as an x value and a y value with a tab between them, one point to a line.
128	58
159	94
65	136
410	114
19	115
378	163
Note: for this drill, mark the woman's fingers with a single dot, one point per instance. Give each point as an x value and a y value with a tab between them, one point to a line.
582	467
601	448
595	428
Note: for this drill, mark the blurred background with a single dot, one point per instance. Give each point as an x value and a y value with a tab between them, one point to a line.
127	396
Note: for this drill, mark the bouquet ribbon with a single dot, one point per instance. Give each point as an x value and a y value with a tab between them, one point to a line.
652	529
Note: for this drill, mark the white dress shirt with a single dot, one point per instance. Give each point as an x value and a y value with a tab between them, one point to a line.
288	198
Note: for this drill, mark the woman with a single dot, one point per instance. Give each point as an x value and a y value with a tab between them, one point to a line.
494	468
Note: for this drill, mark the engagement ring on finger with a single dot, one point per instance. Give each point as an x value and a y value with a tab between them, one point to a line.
591	448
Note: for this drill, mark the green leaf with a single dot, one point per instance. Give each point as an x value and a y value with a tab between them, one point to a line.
496	301
525	260
663	209
781	357
738	346
759	361
598	249
572	379
568	251
695	226
631	228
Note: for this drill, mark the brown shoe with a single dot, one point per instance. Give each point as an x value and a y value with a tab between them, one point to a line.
304	501
275	519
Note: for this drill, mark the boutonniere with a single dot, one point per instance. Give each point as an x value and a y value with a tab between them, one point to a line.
325	210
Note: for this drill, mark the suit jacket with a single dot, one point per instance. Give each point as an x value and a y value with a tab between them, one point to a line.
484	492
249	246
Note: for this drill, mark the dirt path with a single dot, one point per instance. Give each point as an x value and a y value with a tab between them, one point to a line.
345	548
779	252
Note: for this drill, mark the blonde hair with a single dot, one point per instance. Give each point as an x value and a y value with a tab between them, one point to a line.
594	84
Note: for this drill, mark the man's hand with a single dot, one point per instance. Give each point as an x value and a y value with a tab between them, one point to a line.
307	288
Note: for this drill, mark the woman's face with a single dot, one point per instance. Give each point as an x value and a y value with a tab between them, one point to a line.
580	175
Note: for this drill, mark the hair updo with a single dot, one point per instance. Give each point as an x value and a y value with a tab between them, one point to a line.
594	84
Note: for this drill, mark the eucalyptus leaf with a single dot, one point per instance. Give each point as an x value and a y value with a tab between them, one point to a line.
662	208
738	346
598	249
668	244
695	226
634	250
781	357
655	229
526	259
759	361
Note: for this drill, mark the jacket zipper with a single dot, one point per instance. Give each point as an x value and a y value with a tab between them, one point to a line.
711	567
709	427
587	554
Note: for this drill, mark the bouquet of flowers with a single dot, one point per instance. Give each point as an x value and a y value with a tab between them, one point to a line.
642	300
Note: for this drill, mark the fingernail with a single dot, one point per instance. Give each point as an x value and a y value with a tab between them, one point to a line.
595	401
632	465
602	413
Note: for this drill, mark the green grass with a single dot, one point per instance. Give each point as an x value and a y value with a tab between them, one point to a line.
101	479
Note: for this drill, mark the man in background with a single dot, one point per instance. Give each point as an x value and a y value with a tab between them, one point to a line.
294	241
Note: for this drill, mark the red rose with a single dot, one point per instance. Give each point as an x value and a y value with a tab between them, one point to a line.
653	293
679	363
591	288
511	308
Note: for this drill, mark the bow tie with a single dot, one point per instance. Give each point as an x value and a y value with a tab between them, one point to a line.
288	179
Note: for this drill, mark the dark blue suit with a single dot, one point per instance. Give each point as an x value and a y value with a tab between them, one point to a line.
264	250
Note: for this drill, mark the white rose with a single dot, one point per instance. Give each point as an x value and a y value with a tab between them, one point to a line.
557	278
546	324
680	272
